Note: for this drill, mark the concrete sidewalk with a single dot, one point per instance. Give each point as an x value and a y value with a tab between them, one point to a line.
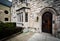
43	37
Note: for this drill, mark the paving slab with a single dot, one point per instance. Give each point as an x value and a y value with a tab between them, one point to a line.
43	37
21	37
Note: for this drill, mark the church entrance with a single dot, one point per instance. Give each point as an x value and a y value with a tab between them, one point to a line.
47	22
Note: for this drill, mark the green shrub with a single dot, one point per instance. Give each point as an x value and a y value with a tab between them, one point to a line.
1	26
9	26
7	29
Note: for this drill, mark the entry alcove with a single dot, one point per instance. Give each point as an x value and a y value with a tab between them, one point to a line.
52	14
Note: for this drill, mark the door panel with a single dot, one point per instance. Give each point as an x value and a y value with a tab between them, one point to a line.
47	22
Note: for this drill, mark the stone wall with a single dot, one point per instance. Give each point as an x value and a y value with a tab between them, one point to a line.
3	15
36	6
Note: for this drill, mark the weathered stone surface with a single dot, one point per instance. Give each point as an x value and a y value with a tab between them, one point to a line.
43	37
37	8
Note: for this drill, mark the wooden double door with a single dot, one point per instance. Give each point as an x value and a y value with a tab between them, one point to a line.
47	22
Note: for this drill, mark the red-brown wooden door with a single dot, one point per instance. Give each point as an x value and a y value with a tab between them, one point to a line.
47	22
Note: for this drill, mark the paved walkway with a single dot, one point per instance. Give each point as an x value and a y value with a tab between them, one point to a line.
43	37
30	36
21	37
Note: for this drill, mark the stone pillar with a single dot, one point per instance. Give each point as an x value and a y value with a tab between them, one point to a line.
40	23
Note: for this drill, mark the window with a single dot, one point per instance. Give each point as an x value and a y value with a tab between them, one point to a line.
23	1
56	0
20	0
20	17
13	5
26	4
6	12
6	19
16	1
26	17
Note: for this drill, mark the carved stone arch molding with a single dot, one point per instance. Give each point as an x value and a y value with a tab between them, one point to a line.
54	17
49	9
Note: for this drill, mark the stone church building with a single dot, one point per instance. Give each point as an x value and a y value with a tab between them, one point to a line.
38	15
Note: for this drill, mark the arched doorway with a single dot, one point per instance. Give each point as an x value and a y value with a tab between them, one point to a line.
47	22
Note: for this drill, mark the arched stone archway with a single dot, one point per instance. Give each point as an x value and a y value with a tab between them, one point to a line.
50	9
54	15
